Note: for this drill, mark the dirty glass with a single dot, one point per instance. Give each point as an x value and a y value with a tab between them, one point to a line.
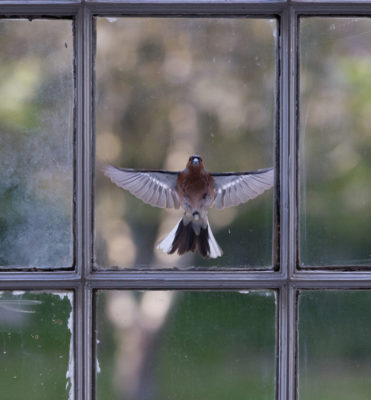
168	88
36	139
335	155
185	345
334	345
36	345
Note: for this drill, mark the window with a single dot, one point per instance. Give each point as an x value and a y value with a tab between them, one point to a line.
88	310
193	86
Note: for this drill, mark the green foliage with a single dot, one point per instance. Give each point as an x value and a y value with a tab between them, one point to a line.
334	331
335	141
35	342
213	345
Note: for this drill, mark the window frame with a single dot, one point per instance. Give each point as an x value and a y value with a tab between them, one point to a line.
287	281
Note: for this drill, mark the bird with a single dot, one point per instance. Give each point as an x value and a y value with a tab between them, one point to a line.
195	190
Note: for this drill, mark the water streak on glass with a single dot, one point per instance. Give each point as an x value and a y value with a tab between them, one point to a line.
36	143
334	345
36	345
168	88
185	345
335	157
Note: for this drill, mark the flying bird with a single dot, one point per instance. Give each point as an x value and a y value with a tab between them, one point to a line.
195	190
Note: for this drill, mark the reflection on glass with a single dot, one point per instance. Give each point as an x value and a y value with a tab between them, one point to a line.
166	89
36	138
334	345
335	99
36	345
185	345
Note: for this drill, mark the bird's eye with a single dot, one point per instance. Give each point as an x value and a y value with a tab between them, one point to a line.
190	159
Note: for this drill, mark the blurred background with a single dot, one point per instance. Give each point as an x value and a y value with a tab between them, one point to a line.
167	88
334	345
36	143
185	345
36	345
335	141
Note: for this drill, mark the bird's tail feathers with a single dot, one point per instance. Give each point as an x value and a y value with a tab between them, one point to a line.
215	249
185	237
167	243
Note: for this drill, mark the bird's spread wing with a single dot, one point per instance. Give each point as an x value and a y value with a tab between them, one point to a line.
232	189
157	188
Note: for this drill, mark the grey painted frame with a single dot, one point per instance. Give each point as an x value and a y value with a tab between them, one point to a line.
288	280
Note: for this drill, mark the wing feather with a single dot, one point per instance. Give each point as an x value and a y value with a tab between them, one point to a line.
148	191
176	199
243	190
157	188
232	189
153	194
143	189
169	200
233	196
162	198
239	192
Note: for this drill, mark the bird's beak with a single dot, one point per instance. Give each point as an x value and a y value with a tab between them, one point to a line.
196	161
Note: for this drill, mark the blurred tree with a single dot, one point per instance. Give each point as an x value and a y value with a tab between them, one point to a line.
179	87
335	141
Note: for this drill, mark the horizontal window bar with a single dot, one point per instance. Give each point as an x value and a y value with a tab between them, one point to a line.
190	8
57	8
39	281
218	7
178	279
331	279
104	7
195	280
332	8
186	280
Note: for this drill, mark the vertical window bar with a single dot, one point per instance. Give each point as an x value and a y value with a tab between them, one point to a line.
284	190
284	167
282	346
88	44
292	156
291	337
83	65
292	193
79	140
80	225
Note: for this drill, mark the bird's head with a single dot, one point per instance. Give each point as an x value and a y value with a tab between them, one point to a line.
195	162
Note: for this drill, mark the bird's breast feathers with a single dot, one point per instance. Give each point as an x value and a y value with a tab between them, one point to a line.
197	186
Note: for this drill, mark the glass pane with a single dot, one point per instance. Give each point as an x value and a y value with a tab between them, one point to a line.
36	345
334	345
185	345
168	88
335	99
36	139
